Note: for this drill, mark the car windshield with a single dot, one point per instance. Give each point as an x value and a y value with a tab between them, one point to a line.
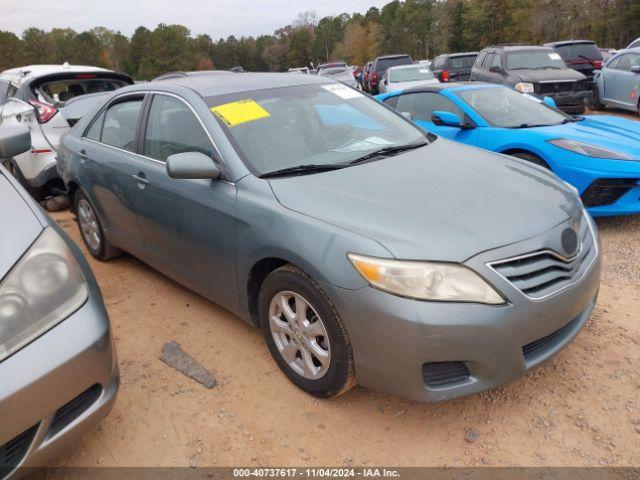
503	107
580	51
534	59
384	63
413	74
321	124
59	91
462	63
333	71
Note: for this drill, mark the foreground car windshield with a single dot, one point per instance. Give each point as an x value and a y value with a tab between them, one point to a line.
534	60
410	74
503	107
327	124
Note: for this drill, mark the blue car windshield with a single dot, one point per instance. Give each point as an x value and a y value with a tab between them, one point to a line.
320	124
506	108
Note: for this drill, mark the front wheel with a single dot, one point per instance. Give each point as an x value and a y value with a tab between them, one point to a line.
305	334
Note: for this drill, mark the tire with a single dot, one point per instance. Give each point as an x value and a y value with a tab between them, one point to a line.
91	229
530	157
597	102
322	379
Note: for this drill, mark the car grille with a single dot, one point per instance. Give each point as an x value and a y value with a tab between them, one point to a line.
605	191
544	272
12	452
560	87
72	410
439	374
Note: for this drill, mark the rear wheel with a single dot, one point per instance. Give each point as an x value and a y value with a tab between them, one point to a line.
91	229
305	333
530	157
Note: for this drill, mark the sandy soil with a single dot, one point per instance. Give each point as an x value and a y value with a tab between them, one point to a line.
582	408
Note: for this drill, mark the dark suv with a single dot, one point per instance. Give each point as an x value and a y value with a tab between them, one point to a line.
583	56
380	65
533	69
453	67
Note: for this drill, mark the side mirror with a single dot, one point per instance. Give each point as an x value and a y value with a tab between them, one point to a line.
495	69
635	68
550	102
447	119
14	141
194	165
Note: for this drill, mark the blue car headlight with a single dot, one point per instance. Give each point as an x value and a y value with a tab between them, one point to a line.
41	290
589	150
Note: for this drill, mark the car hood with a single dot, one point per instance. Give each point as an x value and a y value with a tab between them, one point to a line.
614	133
444	201
19	225
546	75
393	86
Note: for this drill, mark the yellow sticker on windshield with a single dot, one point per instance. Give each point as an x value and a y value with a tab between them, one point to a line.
242	111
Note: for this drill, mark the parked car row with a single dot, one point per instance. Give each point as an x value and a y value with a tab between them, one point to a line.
333	222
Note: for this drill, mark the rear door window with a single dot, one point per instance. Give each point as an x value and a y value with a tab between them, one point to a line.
121	123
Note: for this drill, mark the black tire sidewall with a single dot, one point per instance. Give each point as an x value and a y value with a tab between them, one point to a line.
101	253
338	377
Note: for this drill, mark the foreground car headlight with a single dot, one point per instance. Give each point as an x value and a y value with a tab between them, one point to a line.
447	282
41	290
524	87
588	150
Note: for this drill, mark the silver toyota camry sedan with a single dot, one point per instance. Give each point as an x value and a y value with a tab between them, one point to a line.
58	371
367	250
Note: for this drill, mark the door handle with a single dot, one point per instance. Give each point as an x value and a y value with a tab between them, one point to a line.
141	180
83	155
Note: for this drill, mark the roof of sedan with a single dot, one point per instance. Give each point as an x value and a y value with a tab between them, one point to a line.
212	83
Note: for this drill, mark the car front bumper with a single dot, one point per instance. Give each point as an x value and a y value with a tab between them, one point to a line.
57	388
570	102
396	340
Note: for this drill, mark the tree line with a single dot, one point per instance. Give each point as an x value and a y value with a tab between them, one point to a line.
422	28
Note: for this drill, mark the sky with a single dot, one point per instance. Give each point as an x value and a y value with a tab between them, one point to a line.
218	18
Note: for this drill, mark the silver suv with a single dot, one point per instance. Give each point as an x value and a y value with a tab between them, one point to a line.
49	99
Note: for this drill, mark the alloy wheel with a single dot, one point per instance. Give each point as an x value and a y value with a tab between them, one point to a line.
89	225
299	335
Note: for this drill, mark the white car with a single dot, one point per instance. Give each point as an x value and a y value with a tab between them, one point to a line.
406	76
342	74
49	99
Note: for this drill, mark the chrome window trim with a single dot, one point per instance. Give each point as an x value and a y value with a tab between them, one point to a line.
557	255
139	155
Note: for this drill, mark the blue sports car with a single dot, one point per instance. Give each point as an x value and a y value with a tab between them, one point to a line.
597	154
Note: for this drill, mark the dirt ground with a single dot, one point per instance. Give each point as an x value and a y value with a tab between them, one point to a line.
580	409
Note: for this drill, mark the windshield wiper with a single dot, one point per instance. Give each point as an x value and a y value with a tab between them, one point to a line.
388	151
302	170
531	125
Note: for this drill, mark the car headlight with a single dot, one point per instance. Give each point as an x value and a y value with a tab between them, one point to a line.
524	87
41	290
437	281
588	150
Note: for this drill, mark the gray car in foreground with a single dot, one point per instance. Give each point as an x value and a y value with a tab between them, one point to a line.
58	371
367	250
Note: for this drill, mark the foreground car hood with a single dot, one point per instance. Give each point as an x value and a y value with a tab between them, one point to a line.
445	201
614	133
18	224
548	75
